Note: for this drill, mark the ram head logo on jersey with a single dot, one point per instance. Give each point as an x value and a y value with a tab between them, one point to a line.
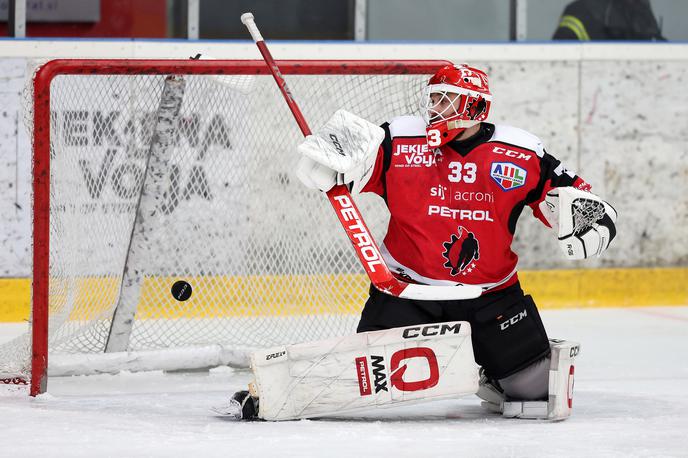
461	251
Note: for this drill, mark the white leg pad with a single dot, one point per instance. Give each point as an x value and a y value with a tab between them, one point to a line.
561	378
371	369
525	409
560	399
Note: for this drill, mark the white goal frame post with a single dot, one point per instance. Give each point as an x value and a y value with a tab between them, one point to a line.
41	119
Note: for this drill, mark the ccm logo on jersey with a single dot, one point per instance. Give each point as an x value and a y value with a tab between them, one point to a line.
430	330
358	231
419	356
511	153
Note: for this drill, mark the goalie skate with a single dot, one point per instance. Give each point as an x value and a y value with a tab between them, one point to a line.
241	406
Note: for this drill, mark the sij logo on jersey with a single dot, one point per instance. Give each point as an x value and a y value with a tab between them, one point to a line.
461	251
507	175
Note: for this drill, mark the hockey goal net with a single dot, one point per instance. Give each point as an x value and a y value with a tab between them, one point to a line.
146	173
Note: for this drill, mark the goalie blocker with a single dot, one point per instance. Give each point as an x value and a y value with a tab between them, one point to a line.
372	369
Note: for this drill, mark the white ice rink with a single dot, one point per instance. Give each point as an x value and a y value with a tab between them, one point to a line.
631	400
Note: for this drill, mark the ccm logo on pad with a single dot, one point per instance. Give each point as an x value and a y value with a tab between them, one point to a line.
431	330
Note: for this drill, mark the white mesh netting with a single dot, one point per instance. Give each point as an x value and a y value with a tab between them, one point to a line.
220	208
586	212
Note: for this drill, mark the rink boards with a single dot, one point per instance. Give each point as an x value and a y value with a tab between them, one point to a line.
220	296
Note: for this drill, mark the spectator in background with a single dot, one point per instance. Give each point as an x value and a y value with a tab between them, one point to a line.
586	20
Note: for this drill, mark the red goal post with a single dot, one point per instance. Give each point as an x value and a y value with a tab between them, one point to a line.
226	80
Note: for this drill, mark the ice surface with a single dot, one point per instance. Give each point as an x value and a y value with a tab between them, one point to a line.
631	400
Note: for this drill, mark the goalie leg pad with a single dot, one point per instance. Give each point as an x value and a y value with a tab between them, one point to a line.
560	387
561	379
370	369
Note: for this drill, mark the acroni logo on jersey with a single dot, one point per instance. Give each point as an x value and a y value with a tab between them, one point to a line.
507	175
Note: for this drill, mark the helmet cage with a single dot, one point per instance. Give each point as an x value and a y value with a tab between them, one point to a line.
465	107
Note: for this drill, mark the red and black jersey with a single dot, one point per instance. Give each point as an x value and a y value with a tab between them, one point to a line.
453	209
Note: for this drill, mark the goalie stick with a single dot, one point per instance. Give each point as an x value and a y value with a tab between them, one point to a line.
349	216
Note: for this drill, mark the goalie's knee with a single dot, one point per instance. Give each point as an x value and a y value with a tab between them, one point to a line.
543	390
530	383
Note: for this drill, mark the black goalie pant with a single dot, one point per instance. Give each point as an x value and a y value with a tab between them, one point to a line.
507	332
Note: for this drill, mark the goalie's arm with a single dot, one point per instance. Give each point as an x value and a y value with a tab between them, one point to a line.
584	223
553	174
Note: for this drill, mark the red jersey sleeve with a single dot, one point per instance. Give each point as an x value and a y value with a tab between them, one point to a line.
553	174
377	182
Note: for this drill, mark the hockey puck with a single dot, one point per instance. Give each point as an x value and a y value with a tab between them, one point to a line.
181	290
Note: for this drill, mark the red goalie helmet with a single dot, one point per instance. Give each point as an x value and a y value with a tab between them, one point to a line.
456	98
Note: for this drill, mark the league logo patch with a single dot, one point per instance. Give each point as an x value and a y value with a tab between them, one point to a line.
461	251
507	175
